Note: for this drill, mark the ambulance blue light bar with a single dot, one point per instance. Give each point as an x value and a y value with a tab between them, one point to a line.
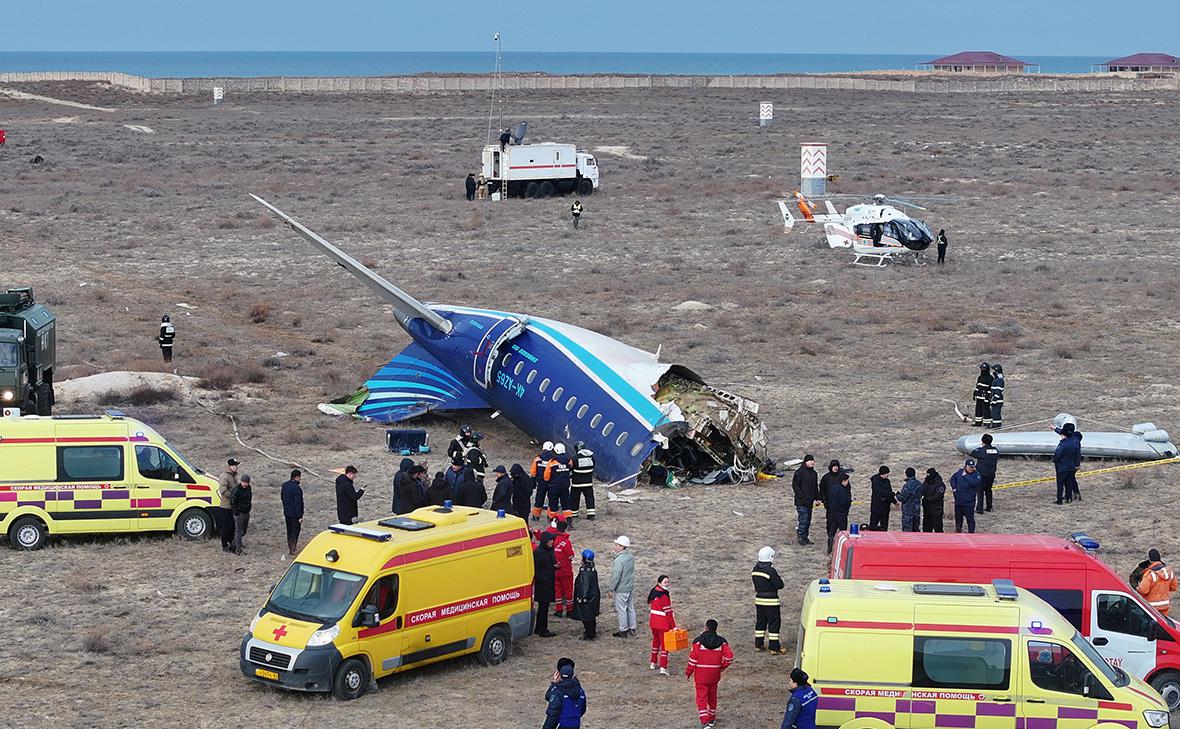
1005	589
1084	541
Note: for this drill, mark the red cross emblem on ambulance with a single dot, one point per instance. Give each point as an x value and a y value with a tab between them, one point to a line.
280	631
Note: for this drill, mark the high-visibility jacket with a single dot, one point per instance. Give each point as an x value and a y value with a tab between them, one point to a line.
660	616
538	465
983	387
1157	585
557	474
998	389
583	470
767	583
708	656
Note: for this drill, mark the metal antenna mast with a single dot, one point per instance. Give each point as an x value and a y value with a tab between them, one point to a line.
497	86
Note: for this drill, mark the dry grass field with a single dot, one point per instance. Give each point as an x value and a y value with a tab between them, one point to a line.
1061	267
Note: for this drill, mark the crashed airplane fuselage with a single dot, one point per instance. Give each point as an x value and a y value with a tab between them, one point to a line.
556	382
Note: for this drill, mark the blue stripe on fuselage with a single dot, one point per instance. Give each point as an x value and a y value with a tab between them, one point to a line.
641	403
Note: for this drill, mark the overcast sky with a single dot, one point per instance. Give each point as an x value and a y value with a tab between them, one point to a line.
1032	27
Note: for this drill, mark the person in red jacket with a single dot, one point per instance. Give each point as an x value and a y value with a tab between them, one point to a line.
661	619
709	655
563	550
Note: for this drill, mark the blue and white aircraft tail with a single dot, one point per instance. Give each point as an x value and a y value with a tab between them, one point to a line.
557	382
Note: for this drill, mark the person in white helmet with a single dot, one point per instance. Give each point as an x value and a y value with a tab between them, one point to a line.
535	472
622	586
556	477
767	606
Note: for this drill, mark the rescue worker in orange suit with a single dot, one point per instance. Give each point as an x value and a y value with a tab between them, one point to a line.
563	574
660	619
767	605
582	481
708	657
983	397
556	477
1158	582
536	469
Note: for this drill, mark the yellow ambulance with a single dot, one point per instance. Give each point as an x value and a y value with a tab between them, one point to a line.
84	474
900	654
366	600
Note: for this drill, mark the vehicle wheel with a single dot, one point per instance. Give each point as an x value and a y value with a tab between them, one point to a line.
28	534
586	187
531	190
44	399
497	646
352	680
194	524
1168	684
546	190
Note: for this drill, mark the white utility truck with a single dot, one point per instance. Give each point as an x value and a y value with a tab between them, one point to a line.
539	170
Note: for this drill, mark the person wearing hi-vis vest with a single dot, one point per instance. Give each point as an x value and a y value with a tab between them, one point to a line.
582	481
1158	582
767	606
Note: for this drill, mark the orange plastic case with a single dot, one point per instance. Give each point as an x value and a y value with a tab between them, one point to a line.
675	640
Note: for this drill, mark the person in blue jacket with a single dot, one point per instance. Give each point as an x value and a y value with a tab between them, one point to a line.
1067	459
966	484
801	706
566	700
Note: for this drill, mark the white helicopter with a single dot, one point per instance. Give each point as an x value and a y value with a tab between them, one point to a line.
877	232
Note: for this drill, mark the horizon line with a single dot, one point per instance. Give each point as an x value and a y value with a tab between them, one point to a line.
492	52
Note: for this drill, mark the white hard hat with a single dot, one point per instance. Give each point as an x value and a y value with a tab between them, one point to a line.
559	449
766	554
548	446
623	541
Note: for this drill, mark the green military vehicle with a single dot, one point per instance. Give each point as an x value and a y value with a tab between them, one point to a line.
27	352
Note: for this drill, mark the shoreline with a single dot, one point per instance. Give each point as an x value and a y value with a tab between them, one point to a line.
911	81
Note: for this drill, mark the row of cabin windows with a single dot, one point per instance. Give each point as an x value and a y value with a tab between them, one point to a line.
569	404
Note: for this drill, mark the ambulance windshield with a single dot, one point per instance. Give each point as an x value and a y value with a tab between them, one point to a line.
1116	675
315	594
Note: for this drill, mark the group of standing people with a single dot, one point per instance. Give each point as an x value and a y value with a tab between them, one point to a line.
989	396
921	502
476	187
562	482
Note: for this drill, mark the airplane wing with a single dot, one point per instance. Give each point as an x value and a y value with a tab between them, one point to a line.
414	383
406	305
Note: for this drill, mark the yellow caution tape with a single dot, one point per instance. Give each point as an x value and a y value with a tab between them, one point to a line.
1095	472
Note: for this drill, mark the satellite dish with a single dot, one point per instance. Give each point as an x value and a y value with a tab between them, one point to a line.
519	132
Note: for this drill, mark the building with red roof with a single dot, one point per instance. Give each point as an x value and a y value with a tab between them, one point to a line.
1143	63
978	62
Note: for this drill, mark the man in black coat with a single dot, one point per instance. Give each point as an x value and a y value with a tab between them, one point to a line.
839	503
502	493
471	491
805	484
933	494
469	183
399	479
292	496
987	457
829	479
881	500
522	491
409	493
240	501
544	567
347	496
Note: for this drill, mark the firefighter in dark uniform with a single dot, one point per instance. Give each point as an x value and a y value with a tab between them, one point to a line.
983	397
536	472
167	336
582	480
556	477
576	211
460	444
475	458
767	606
997	402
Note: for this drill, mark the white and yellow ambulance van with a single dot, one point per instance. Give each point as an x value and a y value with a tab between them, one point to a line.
901	654
85	474
366	600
